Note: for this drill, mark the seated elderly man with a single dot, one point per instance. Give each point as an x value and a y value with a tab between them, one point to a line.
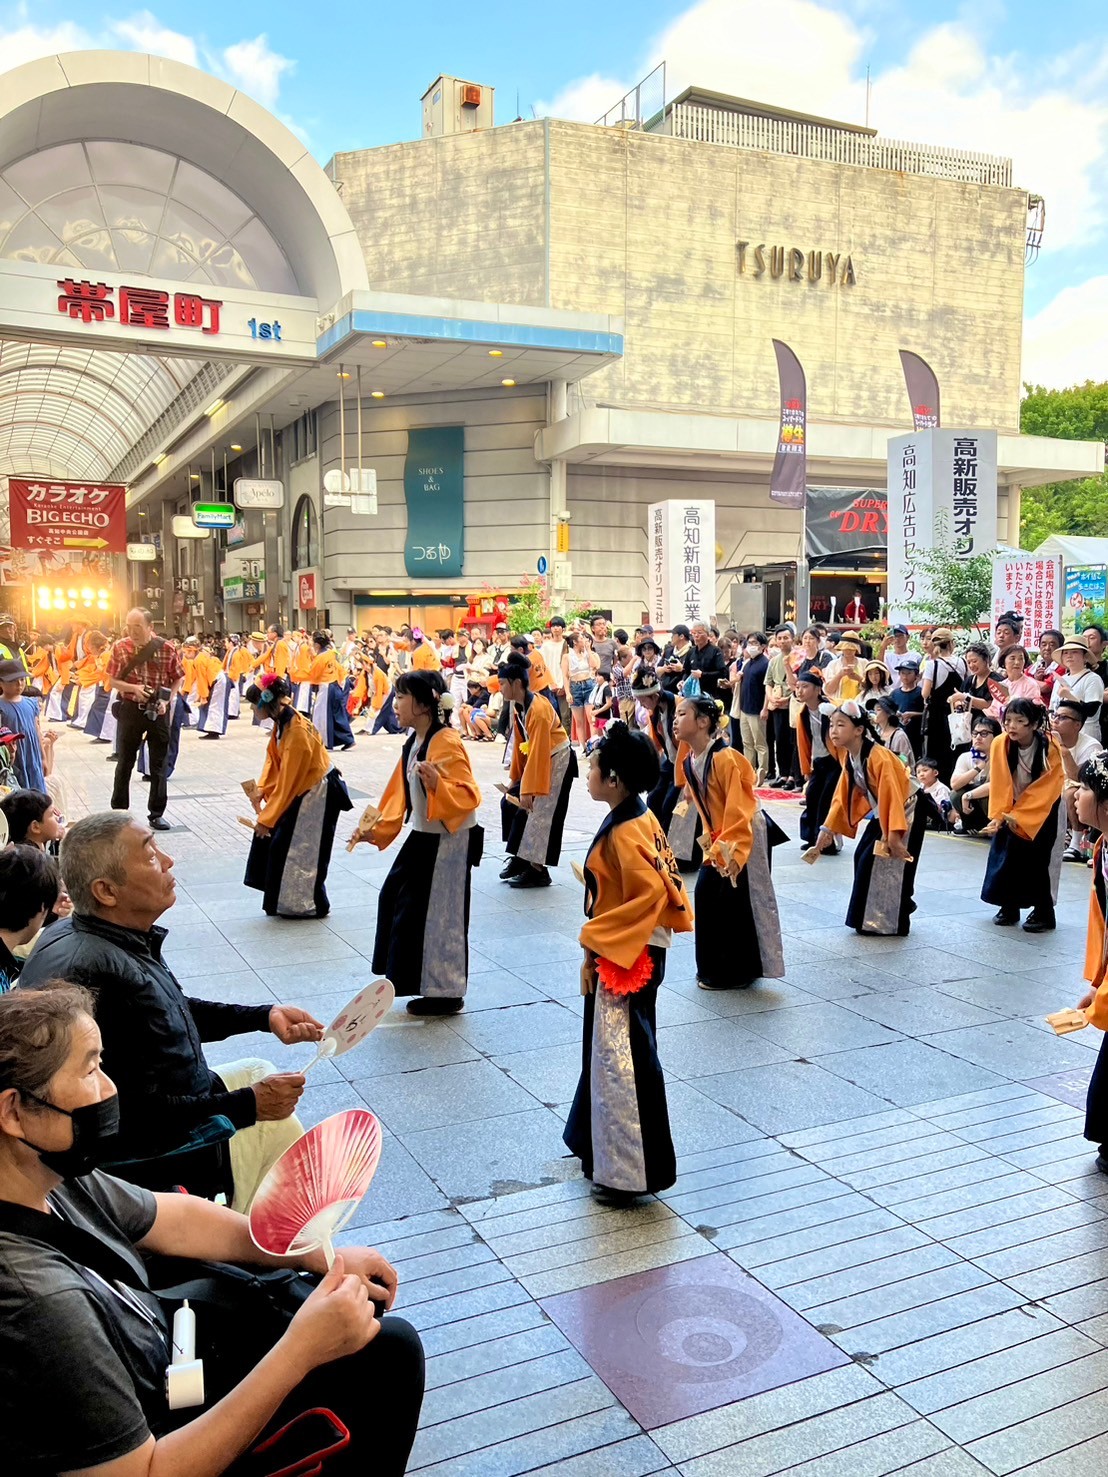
121	883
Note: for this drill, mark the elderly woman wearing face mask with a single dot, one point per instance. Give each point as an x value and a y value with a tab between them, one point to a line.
85	1341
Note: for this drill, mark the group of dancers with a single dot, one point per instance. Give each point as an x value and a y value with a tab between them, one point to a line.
635	895
74	681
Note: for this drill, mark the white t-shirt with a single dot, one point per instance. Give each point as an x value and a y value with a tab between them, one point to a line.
894	660
1086	747
1088	688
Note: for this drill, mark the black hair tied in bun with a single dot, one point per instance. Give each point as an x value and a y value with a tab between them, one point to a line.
629	756
515	668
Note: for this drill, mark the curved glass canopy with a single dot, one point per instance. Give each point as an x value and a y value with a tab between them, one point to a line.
109	206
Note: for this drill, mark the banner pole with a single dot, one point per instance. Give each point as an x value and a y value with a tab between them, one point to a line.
803	577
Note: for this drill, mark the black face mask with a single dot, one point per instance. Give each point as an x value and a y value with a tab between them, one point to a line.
95	1130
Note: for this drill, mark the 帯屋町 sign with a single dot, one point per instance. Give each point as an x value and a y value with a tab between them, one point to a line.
137	307
794	264
67	515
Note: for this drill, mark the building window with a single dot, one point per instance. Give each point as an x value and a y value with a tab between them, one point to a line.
305	536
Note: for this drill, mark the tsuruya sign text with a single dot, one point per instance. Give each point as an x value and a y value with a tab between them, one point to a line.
836	268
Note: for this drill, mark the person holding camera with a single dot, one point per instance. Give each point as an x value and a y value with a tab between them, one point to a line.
146	673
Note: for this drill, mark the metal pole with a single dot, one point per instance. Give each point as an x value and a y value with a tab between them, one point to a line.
803	577
361	488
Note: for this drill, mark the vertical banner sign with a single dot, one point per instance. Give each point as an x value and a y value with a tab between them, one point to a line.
434	490
67	515
923	391
1031	586
790	465
942	495
682	537
1086	596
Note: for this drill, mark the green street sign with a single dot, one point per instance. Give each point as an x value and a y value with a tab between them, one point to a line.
214	515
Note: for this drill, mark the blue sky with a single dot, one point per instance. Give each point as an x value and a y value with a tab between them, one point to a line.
1001	76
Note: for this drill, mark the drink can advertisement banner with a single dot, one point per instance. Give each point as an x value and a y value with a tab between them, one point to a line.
790	466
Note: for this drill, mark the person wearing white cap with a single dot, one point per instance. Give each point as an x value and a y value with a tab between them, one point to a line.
1081	683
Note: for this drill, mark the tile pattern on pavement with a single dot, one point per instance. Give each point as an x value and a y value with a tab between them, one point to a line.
887	1141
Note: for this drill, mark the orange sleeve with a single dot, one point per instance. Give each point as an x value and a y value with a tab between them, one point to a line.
380	686
1028	815
1097	1013
456	796
535	779
892	787
636	896
733	775
318	671
281	658
301	762
203	678
392	810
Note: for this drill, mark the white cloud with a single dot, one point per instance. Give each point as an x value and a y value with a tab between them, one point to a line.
144	32
258	70
1048	113
250	64
28	43
1064	343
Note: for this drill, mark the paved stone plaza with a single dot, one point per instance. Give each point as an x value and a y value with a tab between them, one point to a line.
887	1250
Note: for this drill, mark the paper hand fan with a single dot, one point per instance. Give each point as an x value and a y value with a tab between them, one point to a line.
355	1021
316	1186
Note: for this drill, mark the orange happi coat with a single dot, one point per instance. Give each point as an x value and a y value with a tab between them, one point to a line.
633	886
454	799
301	665
277	658
295	762
326	668
1026	815
889	781
729	806
425	658
1096	944
538	734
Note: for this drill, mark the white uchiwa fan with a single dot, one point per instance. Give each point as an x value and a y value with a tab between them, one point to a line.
316	1186
354	1022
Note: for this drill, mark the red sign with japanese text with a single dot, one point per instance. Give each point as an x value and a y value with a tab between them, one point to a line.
139	307
67	515
306	585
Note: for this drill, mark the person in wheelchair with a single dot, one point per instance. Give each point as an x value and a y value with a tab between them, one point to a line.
121	883
85	1336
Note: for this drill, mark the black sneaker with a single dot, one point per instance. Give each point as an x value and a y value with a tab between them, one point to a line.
434	1005
1040	920
513	869
532	877
1006	917
159	823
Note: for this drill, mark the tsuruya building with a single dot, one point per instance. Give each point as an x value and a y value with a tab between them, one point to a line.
524	334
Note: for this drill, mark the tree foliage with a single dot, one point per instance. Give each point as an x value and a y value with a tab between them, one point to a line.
1077	414
532	607
961	589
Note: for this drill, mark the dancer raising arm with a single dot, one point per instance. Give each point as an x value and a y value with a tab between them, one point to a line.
634	902
738	928
422	942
